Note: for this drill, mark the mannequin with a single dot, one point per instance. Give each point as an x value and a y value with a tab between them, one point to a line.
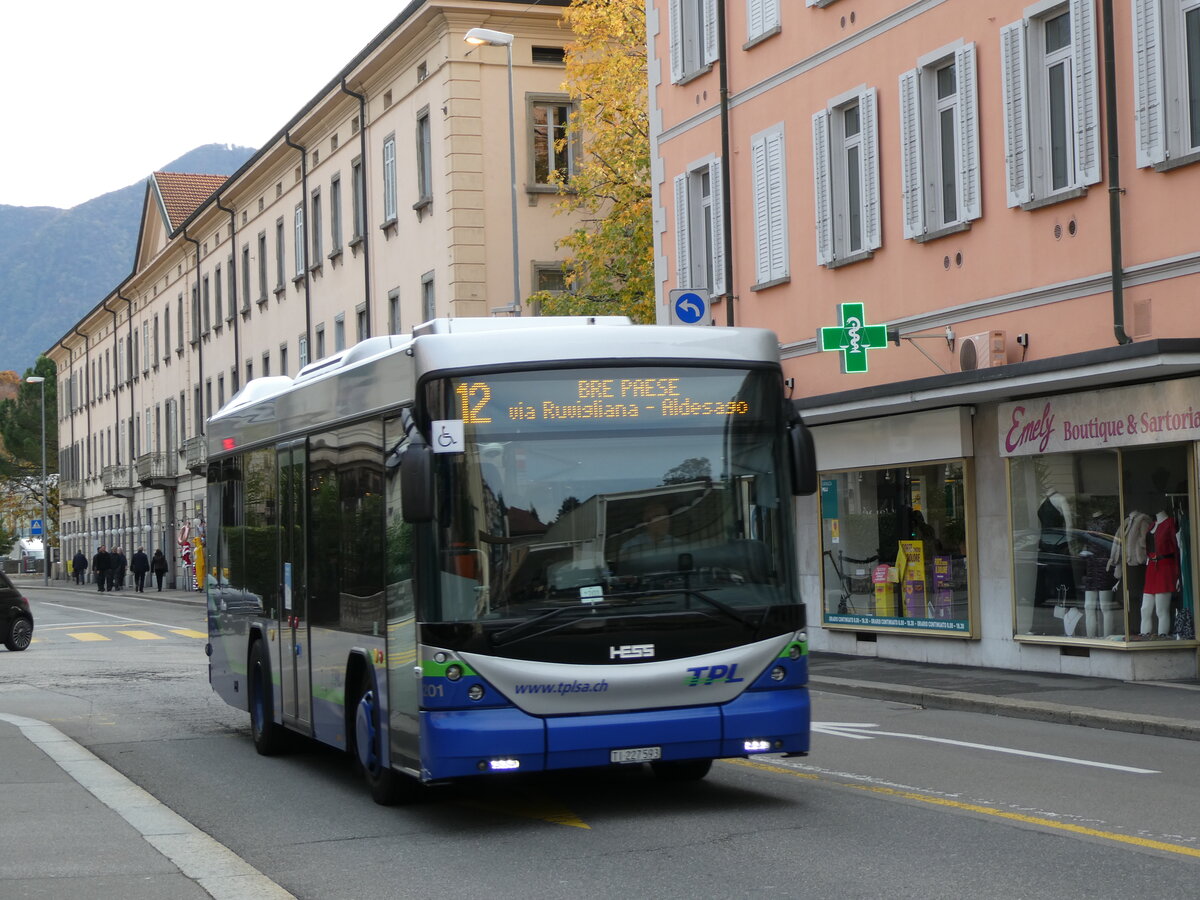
1055	576
1162	574
1100	612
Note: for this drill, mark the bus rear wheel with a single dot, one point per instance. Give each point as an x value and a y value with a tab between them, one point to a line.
388	787
268	735
681	769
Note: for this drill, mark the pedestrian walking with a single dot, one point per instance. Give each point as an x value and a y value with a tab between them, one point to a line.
79	566
100	565
139	566
158	566
119	564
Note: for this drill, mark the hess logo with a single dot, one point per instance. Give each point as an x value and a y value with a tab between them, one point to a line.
631	651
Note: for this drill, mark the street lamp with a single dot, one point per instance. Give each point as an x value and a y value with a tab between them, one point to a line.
478	37
38	379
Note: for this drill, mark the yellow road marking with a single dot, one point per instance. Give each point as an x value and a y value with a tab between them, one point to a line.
88	636
143	635
188	632
532	807
1178	849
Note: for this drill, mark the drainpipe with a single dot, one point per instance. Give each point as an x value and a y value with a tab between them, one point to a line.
199	333
287	139
237	352
1114	178
362	155
726	211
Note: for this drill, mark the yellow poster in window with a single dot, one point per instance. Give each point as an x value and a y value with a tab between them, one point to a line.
910	562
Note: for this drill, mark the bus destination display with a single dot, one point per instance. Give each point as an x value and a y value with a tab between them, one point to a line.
551	399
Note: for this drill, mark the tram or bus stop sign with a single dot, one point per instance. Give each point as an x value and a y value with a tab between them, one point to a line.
689	306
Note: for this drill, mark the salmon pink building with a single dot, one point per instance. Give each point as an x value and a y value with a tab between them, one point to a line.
969	225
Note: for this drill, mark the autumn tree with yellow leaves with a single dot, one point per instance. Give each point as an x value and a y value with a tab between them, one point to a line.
610	267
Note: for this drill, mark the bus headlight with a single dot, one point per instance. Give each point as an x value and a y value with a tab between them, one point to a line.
454	673
756	746
778	673
475	692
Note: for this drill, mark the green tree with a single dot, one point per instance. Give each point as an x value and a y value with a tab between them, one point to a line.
21	445
610	269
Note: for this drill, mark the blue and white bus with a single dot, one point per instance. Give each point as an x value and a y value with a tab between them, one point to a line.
514	544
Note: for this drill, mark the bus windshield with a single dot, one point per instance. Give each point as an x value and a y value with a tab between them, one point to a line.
649	487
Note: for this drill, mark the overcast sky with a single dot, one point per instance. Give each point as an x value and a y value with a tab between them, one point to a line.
97	95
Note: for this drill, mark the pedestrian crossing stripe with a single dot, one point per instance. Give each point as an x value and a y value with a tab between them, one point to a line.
188	632
136	634
143	635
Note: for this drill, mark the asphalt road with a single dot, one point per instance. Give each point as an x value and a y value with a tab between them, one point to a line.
893	802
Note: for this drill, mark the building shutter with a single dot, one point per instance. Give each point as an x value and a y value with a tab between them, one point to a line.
912	179
872	228
675	36
968	133
777	204
716	206
1148	83
712	52
683	256
1087	91
1016	128
821	195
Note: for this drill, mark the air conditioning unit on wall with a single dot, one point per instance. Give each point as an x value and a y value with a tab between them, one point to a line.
982	351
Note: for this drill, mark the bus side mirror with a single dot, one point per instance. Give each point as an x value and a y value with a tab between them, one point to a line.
802	456
416	483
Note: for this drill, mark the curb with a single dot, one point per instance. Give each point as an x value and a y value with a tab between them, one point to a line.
1037	710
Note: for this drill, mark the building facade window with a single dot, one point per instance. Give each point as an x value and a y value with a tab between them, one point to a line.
894	548
298	250
693	37
320	341
1050	81
939	143
762	18
335	214
361	331
699	244
195	315
1166	71
262	267
266	363
179	323
393	302
358	187
424	158
768	159
302	351
317	238
218	298
207	294
280	256
339	332
428	299
552	154
232	307
283	359
846	178
389	179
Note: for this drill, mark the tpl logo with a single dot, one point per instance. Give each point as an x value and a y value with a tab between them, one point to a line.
631	651
723	674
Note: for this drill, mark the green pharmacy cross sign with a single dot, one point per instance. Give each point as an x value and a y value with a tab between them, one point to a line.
853	338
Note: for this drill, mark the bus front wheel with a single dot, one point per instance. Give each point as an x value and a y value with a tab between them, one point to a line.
268	735
388	787
681	769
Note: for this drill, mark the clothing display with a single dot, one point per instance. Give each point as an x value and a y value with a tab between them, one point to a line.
1131	541
1055	575
1162	558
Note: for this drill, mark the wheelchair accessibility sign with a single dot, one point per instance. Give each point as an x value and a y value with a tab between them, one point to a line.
689	306
447	435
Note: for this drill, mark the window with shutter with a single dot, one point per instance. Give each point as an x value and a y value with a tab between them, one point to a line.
770	206
1166	36
692	34
846	179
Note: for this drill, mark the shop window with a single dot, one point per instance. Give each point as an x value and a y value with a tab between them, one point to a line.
894	547
1102	545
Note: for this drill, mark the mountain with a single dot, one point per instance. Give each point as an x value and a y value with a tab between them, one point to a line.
56	264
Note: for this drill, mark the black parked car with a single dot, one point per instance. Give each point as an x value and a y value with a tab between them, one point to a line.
16	621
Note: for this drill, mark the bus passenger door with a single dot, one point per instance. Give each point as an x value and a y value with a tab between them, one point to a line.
293	625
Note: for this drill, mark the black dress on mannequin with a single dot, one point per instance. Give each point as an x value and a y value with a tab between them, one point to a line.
1055	574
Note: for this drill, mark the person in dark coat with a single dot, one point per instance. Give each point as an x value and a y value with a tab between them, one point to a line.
158	566
100	565
119	565
79	566
139	566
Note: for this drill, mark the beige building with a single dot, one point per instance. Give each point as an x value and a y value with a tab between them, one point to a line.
983	202
384	202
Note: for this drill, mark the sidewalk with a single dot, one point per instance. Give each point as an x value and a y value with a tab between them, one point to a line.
33	583
1164	709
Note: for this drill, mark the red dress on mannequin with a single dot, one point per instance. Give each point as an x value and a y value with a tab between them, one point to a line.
1162	558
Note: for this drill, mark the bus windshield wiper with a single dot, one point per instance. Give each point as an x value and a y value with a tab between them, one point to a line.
509	635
